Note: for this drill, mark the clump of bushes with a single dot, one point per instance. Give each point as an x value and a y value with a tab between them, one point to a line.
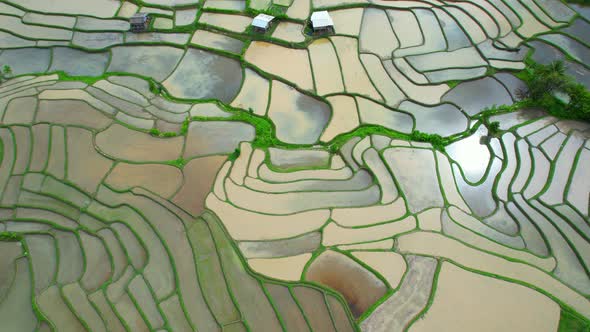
10	236
544	82
436	140
155	87
579	105
572	321
157	133
5	73
179	163
234	155
184	127
494	128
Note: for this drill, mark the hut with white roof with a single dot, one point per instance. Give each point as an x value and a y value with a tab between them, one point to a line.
261	22
321	22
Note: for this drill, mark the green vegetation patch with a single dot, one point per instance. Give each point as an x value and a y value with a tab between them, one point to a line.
5	73
277	11
157	133
10	236
581	2
571	321
63	76
550	88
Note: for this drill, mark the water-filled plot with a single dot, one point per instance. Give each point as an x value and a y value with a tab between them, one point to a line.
205	176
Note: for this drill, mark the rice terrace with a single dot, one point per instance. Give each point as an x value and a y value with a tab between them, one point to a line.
295	165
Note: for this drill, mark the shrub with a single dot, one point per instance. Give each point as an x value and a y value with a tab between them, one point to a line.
10	236
333	148
179	163
234	155
579	105
494	128
436	140
572	321
155	87
184	127
453	83
543	80
5	73
157	133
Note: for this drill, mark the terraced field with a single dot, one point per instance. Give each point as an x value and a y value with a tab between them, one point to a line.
201	177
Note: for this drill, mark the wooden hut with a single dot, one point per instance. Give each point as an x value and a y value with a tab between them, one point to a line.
261	23
321	23
139	22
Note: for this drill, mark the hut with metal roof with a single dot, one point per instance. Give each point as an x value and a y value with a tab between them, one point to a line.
321	22
261	23
139	22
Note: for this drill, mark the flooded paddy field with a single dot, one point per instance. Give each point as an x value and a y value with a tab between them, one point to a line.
198	175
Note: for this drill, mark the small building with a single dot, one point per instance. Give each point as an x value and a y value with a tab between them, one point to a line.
321	22
261	22
140	22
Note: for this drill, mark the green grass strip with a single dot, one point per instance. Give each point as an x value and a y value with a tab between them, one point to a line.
571	321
